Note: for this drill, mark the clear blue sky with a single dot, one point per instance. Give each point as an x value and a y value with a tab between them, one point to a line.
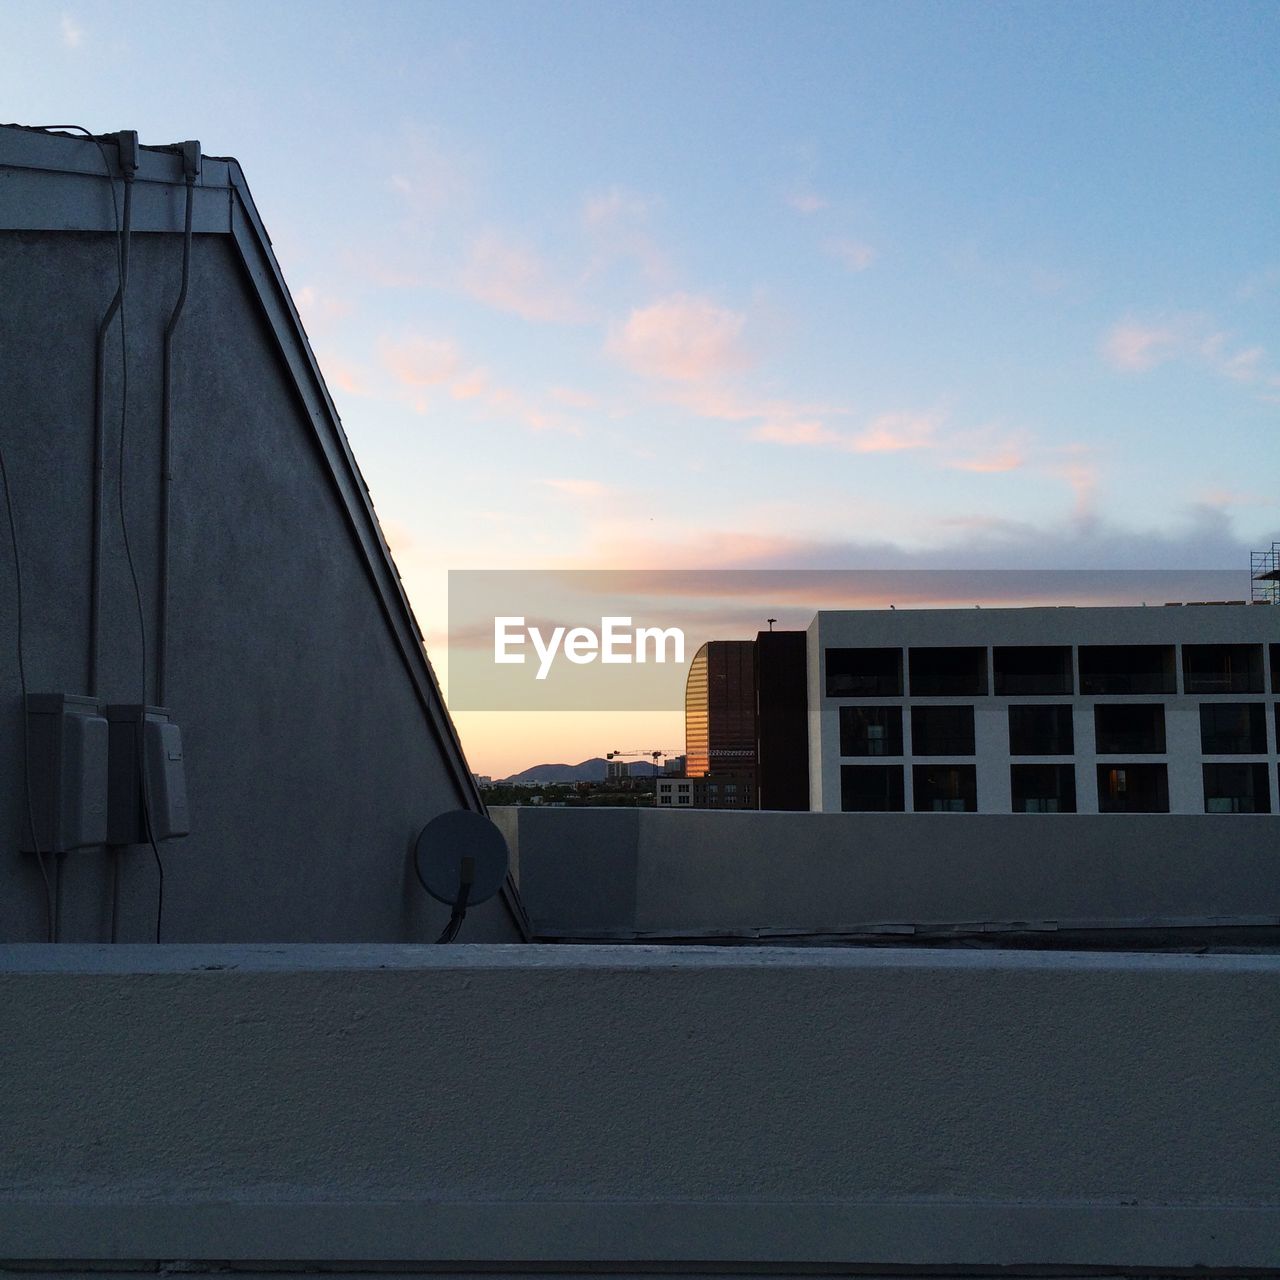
702	284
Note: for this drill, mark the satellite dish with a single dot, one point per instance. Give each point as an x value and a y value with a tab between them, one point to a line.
461	849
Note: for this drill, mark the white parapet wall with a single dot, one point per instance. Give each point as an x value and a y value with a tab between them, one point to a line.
634	873
512	1109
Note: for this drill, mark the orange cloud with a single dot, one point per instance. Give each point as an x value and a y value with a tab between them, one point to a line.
682	338
797	433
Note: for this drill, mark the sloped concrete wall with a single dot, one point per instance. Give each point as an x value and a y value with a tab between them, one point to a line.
512	1109
311	763
705	872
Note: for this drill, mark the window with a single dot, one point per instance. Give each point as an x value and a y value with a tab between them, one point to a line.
864	673
664	799
943	788
1033	669
871	788
1127	668
1275	668
1233	728
1129	729
1043	788
684	786
1040	731
870	731
942	731
1237	788
1133	788
1222	668
682	799
953	672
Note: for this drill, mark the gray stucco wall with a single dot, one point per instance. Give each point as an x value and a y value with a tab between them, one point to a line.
311	762
628	872
506	1109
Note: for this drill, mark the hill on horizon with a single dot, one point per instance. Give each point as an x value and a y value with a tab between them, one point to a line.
593	770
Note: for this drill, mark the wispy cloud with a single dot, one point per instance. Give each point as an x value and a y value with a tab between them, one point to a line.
682	338
577	488
617	227
319	310
894	432
71	31
805	200
1135	345
416	361
511	276
857	255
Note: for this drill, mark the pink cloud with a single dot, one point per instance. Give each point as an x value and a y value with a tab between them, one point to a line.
1136	348
514	278
796	433
578	488
855	254
895	432
805	201
998	461
617	224
682	338
421	362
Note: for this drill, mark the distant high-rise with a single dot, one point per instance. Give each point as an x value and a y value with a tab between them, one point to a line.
720	720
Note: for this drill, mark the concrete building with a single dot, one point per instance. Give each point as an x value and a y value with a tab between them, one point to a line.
1045	710
234	578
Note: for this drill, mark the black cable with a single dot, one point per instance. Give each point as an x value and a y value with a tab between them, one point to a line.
22	682
128	549
466	878
166	450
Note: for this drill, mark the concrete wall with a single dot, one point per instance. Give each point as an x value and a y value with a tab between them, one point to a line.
1201	624
511	1109
316	744
628	872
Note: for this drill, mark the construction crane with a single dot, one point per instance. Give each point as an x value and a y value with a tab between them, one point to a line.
640	754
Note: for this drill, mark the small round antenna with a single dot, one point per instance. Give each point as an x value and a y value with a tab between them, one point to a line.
461	860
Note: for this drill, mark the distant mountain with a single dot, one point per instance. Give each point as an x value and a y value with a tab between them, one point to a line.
593	770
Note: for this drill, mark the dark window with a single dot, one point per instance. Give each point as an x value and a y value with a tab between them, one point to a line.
1233	728
1127	668
1043	788
1133	788
864	673
1222	668
1040	731
945	788
871	788
948	673
870	731
1129	729
1237	788
942	731
1033	669
1275	668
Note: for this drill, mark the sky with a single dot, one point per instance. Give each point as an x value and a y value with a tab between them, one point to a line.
746	285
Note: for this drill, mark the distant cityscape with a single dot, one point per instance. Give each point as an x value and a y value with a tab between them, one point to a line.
1027	710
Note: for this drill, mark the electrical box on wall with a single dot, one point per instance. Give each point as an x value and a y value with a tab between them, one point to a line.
67	764
147	769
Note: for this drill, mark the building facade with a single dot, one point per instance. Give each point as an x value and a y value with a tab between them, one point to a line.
720	726
1045	710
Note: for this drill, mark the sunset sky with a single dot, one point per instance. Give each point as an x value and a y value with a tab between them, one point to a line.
745	285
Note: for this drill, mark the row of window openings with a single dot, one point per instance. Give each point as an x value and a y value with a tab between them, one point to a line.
730	788
1049	788
961	671
1226	728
